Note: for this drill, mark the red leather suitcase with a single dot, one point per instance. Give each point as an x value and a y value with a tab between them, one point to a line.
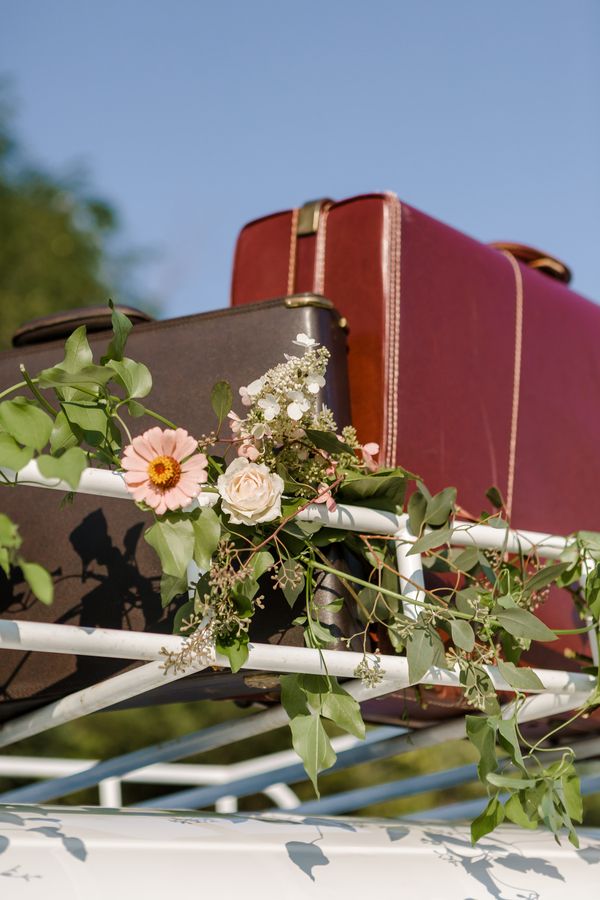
467	365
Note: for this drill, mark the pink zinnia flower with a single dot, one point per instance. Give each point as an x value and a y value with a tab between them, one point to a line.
163	469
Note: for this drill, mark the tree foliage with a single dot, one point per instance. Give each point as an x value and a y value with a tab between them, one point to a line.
56	248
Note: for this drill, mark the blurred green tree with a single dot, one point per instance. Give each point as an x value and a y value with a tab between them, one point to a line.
56	248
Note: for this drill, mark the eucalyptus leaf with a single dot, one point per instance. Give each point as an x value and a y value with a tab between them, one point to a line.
545	576
431	540
26	422
420	653
440	507
462	634
521	623
520	678
495	497
173	543
417	506
467	559
221	400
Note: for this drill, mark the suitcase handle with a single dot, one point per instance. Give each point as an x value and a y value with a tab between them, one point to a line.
536	259
60	325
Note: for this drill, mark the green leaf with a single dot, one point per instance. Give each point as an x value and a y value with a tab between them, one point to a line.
62	435
377	491
509	781
462	634
521	679
495	497
89	418
26	422
489	819
516	812
172	586
440	507
328	441
135	409
467	600
67	467
508	739
312	744
236	651
417	506
467	559
327	697
39	581
287	573
78	352
521	623
545	576
134	376
184	613
9	533
173	543
571	794
261	563
293	698
431	540
592	592
221	399
481	731
121	327
207	533
420	653
12	455
57	377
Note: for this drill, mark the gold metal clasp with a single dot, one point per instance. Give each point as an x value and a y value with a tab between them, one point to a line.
308	216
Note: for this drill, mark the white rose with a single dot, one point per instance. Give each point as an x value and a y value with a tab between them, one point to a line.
250	492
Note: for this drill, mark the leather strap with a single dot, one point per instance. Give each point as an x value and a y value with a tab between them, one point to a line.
536	259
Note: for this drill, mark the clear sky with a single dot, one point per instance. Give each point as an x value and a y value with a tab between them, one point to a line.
194	117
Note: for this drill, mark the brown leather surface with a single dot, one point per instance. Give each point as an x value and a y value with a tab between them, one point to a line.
456	364
105	573
60	325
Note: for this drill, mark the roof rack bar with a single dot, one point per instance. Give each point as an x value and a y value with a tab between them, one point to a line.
55	638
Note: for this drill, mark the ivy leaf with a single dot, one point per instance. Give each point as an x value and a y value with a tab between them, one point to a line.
571	794
516	812
26	422
207	533
221	399
62	435
312	744
521	679
173	543
420	653
12	455
121	327
339	706
89	418
508	738
39	581
495	497
172	586
489	819
67	467
462	634
511	782
592	592
293	698
78	352
134	376
261	563
57	377
521	623
9	533
236	651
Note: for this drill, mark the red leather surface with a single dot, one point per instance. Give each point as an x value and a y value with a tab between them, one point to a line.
456	363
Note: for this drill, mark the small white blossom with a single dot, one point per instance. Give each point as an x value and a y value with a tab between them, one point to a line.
298	406
303	340
270	407
314	383
260	430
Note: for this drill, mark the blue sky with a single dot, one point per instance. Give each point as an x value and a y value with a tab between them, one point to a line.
194	117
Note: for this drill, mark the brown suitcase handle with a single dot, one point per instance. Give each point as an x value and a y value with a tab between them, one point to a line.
536	259
60	325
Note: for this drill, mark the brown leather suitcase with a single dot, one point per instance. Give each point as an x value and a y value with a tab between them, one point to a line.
105	574
472	365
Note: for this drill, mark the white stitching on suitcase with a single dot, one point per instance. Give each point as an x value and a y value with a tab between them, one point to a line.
320	250
392	224
514	418
291	282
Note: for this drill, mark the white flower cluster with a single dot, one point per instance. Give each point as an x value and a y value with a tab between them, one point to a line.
286	397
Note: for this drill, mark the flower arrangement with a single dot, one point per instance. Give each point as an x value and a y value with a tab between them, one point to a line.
232	519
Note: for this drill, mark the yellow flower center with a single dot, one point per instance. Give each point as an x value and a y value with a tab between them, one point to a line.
164	472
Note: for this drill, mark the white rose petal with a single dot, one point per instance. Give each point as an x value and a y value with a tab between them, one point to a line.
250	492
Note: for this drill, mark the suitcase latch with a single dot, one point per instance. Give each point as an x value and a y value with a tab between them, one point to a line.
308	216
